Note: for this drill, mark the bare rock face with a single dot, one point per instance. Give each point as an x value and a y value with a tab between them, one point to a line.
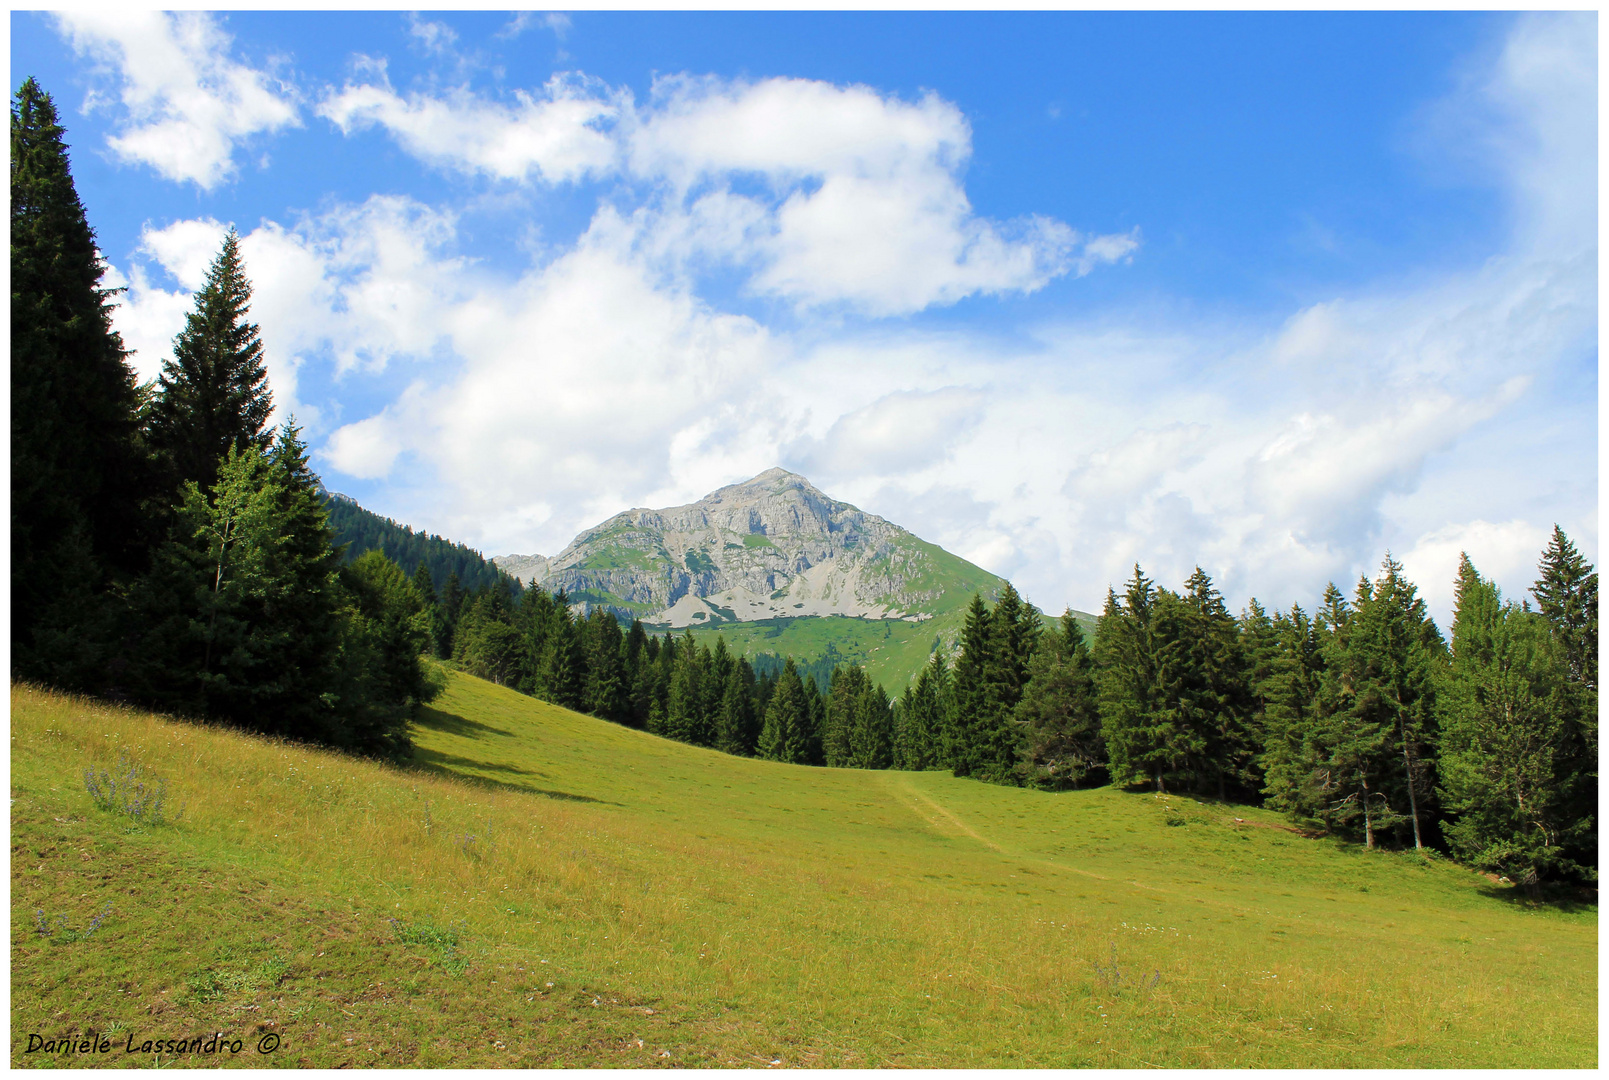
770	547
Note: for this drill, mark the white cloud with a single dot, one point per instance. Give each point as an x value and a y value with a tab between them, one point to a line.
553	135
867	207
1506	551
897	433
433	37
187	105
863	206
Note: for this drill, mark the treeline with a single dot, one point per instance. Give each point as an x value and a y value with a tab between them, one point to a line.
669	685
167	547
358	530
1359	718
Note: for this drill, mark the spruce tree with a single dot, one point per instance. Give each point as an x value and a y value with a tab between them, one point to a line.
213	392
1506	769
1127	679
973	694
78	471
1061	713
786	735
1567	597
736	731
871	733
1289	692
843	699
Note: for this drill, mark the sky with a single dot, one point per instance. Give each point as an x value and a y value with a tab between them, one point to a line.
1268	294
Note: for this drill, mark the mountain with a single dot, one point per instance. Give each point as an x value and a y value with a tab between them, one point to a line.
774	547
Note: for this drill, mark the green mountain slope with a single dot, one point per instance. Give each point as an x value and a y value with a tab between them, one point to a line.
544	888
363	530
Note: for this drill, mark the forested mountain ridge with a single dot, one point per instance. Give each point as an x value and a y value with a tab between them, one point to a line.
771	547
363	530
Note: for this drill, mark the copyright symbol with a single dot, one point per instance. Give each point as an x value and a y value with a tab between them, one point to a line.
268	1043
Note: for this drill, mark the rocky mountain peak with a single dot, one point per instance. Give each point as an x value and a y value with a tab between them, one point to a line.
774	546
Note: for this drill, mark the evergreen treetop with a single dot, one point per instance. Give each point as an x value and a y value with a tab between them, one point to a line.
213	392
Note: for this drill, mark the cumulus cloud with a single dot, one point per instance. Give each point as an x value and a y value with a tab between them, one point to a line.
552	135
897	433
187	105
863	204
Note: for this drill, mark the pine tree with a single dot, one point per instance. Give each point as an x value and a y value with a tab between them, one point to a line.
786	736
923	718
78	470
1567	597
1505	764
607	691
213	392
1128	682
736	731
1061	713
843	698
1289	692
973	698
871	734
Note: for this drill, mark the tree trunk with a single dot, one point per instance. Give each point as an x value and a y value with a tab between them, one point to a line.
1413	802
1368	822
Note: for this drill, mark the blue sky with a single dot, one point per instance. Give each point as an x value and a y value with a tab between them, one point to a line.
1060	291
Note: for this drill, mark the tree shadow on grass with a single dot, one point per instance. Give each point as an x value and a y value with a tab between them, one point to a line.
453	724
1566	899
450	765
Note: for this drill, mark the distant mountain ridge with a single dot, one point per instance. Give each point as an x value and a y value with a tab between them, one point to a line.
771	547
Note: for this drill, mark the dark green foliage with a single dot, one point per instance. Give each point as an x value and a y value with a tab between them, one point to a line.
362	530
871	736
388	623
1061	712
786	734
922	720
1567	597
1289	691
606	667
78	468
1507	772
242	618
737	730
213	392
1127	681
843	698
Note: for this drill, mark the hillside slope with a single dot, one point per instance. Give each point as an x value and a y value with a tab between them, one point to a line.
544	888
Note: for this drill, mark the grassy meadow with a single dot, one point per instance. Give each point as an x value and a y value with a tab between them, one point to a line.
544	888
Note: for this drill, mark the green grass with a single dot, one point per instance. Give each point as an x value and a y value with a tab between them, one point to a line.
544	888
892	651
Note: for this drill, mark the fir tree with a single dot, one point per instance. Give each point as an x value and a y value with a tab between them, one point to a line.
213	392
1567	597
1506	770
973	698
736	731
1127	680
786	735
77	468
871	734
1061	713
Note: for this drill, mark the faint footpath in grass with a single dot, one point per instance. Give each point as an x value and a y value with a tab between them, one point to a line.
129	789
440	942
61	932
